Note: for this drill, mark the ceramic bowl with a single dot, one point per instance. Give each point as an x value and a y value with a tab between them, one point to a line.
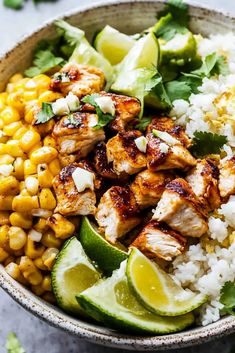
130	17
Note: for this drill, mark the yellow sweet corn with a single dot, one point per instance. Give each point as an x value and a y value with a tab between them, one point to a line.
46	199
44	154
41	225
50	241
30	95
42	82
30	272
17	238
45	177
29	140
46	128
25	192
14	149
9	186
39	264
49	141
16	101
34	249
6	203
55	167
3	148
6	159
61	226
13	270
29	167
18	168
4	237
32	184
19	133
12	128
4	218
49	96
49	257
16	78
46	283
25	204
21	220
3	255
9	115
37	289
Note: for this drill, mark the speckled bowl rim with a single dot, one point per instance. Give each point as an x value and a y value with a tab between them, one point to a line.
90	331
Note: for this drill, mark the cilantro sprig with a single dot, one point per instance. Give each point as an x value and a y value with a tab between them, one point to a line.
227	298
205	143
45	114
143	123
13	345
103	118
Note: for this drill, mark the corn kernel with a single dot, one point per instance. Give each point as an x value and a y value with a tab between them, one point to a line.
29	140
30	271
34	148
6	159
12	128
39	264
29	167
49	297
4	218
46	199
14	149
9	186
19	133
19	168
46	283
32	185
49	141
6	203
16	78
1	122
41	225
46	128
49	96
49	257
20	220
45	177
38	290
15	100
43	155
62	227
17	238
50	241
9	115
55	167
4	237
24	192
3	255
13	270
24	204
3	148
30	95
20	85
42	81
33	249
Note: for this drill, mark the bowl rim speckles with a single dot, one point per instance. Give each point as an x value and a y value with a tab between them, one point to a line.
89	330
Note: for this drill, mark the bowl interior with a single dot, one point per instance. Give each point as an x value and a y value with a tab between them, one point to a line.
129	17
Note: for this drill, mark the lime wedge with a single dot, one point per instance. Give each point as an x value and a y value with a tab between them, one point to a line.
113	45
111	301
156	290
72	273
107	256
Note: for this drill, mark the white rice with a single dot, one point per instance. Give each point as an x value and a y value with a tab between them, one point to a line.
211	110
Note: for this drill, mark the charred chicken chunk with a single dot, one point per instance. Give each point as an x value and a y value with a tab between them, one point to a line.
203	179
70	201
159	240
117	213
76	133
148	187
78	79
227	178
102	166
123	152
180	208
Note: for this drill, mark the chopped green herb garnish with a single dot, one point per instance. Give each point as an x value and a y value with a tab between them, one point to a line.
205	143
13	345
178	90
103	119
62	77
143	123
71	34
227	298
45	114
44	60
14	4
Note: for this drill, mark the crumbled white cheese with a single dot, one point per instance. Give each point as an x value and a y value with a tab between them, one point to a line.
60	107
164	148
34	235
93	121
6	169
141	143
83	179
73	102
106	104
164	136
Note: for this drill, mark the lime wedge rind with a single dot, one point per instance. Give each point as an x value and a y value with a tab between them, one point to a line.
173	303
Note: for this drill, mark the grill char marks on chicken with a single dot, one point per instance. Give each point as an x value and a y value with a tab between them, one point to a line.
70	202
158	240
81	80
227	178
148	187
123	152
117	213
180	208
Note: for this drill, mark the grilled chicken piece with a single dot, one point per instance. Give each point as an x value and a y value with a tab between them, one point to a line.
180	208
102	166
81	80
227	178
126	110
76	133
203	179
148	187
123	152
117	213
70	202
159	240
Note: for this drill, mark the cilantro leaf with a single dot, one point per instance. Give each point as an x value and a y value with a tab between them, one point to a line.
212	64
205	143
14	4
143	123
178	90
45	114
13	345
43	62
103	119
227	297
173	19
